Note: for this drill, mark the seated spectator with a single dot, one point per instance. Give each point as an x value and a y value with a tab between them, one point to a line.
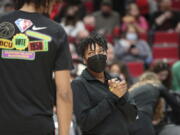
120	69
147	94
71	24
110	54
89	22
165	19
131	48
134	18
176	76
106	18
162	69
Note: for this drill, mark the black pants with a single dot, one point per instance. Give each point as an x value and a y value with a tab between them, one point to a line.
142	126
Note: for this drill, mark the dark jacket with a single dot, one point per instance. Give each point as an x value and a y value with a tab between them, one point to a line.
98	111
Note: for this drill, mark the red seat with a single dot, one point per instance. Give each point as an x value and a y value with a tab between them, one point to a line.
169	52
143	36
166	37
89	6
176	4
135	68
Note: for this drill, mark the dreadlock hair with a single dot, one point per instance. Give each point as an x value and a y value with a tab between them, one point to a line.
38	3
91	41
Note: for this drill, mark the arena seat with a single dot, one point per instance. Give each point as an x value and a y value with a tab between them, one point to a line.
169	52
176	4
143	36
166	37
89	6
135	68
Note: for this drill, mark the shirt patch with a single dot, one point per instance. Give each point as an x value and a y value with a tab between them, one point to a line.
23	24
38	35
38	46
14	54
6	44
20	41
7	30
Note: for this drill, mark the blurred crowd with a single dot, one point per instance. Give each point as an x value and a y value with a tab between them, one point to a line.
123	22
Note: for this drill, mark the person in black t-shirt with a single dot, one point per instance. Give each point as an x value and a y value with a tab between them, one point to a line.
166	19
32	47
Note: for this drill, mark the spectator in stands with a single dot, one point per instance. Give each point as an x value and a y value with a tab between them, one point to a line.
146	94
165	19
120	69
106	18
89	22
131	48
80	13
110	54
152	6
71	24
162	69
176	76
8	7
134	18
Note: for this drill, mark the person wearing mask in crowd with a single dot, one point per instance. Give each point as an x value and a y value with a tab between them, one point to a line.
110	54
33	47
162	69
120	69
71	23
106	16
165	19
131	48
147	93
101	102
134	18
176	76
9	7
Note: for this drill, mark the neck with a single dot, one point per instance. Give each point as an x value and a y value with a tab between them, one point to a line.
29	8
98	76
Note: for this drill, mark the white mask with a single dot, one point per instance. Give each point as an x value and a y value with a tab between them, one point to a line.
131	36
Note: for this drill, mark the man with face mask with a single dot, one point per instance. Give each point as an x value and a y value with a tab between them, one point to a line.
107	17
101	103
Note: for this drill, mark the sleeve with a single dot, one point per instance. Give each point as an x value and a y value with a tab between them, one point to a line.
127	106
89	116
145	51
119	50
170	98
63	59
144	23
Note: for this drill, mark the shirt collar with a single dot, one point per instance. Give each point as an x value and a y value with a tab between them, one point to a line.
88	76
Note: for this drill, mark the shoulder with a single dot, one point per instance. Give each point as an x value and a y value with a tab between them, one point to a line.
98	13
115	13
7	16
77	82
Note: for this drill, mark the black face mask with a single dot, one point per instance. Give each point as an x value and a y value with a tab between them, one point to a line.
97	63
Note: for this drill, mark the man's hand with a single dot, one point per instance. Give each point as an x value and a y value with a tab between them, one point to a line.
118	88
64	101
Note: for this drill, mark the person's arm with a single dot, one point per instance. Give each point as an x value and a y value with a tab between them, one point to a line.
119	50
170	98
88	115
124	103
63	101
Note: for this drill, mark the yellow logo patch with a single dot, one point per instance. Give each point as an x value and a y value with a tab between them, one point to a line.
6	44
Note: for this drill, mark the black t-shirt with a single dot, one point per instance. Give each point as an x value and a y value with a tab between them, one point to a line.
31	48
168	24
